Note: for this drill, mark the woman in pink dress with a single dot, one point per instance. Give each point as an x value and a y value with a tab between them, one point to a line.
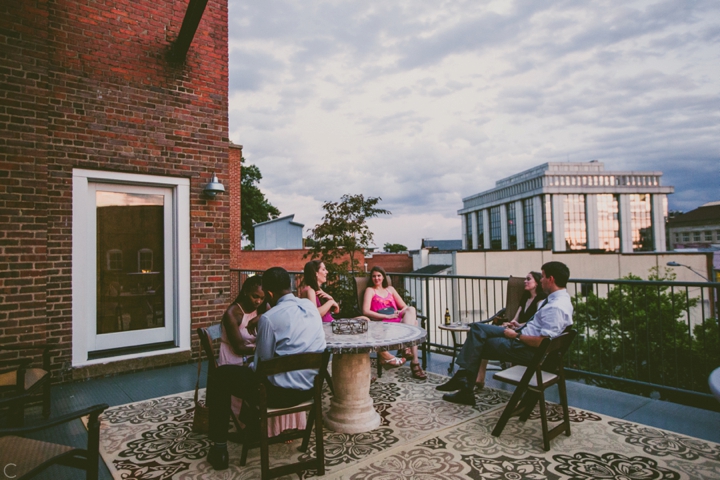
314	276
237	345
383	303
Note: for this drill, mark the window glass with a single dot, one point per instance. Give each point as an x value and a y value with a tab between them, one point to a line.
641	222
575	226
529	223
608	222
495	229
511	226
480	230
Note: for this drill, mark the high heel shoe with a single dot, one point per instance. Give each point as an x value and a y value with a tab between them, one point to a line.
394	362
417	372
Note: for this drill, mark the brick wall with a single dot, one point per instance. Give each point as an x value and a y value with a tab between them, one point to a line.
87	84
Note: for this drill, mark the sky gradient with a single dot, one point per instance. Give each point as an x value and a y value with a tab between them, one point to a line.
424	103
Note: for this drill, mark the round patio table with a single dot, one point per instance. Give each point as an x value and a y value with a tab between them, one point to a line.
351	408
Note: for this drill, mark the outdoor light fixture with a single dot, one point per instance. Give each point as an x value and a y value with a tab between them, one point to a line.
676	264
214	187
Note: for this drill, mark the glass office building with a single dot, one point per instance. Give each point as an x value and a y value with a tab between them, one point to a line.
569	206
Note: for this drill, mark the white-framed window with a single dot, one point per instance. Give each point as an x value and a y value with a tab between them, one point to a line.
145	260
127	212
114	259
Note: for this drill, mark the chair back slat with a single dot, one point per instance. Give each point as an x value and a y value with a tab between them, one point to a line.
206	336
515	289
290	363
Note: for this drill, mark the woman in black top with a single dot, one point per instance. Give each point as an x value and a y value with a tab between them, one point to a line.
529	302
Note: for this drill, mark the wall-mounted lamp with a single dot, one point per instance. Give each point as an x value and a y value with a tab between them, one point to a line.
214	187
676	264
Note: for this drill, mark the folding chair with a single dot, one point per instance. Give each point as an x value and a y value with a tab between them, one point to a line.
23	381
282	364
24	458
361	284
531	383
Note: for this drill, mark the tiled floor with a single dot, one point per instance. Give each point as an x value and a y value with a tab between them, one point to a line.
135	387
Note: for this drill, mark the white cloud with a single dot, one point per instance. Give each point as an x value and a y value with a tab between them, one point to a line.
424	103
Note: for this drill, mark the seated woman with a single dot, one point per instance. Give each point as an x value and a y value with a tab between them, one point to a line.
237	345
382	302
532	296
315	275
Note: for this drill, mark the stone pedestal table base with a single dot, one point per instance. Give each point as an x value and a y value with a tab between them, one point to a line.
351	408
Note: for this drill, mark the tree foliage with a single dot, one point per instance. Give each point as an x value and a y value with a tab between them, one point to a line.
255	208
640	332
344	230
394	248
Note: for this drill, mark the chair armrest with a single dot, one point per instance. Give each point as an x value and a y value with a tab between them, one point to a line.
500	313
94	410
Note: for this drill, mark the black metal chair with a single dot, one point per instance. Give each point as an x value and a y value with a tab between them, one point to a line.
546	369
289	363
24	458
361	284
24	381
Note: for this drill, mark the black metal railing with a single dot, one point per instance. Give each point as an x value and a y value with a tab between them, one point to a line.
633	335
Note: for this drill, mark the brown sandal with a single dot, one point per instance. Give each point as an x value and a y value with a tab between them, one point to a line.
417	372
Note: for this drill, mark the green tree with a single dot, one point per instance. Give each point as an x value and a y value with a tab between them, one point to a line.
394	248
344	230
255	208
637	331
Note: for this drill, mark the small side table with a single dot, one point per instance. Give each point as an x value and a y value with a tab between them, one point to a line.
714	382
456	329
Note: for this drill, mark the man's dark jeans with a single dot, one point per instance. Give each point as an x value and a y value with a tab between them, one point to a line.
242	382
489	342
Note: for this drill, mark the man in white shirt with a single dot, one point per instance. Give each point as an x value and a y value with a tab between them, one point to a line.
293	325
495	342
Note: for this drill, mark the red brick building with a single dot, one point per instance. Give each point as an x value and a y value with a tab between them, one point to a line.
295	260
94	114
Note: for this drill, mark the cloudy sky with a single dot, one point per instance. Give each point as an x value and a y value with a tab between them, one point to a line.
423	103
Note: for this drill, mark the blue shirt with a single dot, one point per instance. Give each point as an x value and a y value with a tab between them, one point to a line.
292	326
552	318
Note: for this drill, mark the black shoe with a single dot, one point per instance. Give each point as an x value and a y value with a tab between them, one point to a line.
218	457
455	383
464	396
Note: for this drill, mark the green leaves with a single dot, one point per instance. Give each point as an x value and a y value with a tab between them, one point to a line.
255	208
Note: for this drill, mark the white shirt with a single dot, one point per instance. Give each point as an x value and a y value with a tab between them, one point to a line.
552	318
292	326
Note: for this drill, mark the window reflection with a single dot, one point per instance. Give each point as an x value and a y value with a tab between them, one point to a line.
608	222
529	223
575	226
468	231
480	230
641	221
547	223
511	226
495	232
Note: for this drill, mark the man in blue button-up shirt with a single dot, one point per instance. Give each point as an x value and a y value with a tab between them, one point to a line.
494	342
291	326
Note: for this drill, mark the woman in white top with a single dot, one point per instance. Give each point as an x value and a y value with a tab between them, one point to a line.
237	345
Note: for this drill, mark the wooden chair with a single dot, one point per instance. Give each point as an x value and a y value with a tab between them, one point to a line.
24	457
23	381
361	284
289	363
513	294
545	369
207	335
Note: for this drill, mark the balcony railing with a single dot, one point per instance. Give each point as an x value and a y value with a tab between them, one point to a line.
644	337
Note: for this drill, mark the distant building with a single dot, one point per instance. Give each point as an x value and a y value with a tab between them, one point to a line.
569	206
279	234
699	228
435	256
442	245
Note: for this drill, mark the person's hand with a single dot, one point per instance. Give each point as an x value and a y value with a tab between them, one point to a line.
335	308
323	296
513	324
400	312
252	326
510	333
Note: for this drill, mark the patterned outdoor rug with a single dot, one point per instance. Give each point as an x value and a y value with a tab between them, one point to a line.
421	437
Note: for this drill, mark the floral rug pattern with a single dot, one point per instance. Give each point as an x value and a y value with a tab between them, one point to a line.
420	437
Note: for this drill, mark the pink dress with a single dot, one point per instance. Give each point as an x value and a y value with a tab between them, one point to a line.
327	317
378	303
276	425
